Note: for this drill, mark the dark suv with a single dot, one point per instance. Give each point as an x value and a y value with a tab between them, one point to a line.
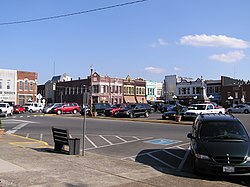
133	110
220	145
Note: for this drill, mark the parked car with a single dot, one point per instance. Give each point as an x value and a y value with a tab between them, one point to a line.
50	106
6	109
133	110
241	108
220	145
82	110
171	113
114	109
100	108
17	109
66	108
33	107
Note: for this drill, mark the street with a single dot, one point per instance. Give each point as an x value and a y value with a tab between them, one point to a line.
163	147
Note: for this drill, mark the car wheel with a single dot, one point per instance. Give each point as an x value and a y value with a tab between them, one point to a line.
74	111
146	114
131	115
163	117
30	110
59	112
229	111
246	111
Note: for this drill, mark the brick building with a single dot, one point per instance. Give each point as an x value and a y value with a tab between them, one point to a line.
26	87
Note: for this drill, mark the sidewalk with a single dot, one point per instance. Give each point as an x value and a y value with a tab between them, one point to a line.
28	162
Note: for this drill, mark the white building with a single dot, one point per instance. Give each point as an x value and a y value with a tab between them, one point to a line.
8	87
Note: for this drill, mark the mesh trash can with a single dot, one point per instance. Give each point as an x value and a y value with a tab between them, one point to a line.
74	146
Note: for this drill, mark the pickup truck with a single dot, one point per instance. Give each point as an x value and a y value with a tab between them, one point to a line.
205	108
6	109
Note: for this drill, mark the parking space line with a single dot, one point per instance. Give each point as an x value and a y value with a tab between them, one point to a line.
155	158
110	143
96	147
120	138
180	148
134	156
41	137
136	138
184	159
172	154
90	142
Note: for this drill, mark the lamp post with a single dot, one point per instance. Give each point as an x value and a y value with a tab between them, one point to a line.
230	98
84	120
211	97
195	97
174	98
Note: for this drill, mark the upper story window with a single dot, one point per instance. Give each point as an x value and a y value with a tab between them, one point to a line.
1	84
26	85
21	85
8	84
95	88
31	86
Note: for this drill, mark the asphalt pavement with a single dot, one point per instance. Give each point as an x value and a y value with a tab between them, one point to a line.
29	162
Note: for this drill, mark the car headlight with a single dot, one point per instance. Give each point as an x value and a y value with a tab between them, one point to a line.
248	159
202	157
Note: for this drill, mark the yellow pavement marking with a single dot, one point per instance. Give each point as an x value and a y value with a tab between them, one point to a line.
31	141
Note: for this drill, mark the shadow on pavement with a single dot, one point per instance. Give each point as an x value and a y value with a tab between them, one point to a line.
50	150
169	165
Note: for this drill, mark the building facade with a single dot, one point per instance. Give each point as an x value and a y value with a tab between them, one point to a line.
8	86
234	91
26	87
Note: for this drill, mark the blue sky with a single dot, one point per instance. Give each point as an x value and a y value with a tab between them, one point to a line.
150	39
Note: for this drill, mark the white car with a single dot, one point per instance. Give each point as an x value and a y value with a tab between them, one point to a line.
6	109
33	107
241	108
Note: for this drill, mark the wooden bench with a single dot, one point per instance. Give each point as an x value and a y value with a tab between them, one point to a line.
61	138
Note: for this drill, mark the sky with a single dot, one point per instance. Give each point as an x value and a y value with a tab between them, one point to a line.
148	39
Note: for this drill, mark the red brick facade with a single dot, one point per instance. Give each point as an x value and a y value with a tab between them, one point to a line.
26	87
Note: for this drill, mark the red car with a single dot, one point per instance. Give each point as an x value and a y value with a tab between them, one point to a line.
67	108
17	109
115	108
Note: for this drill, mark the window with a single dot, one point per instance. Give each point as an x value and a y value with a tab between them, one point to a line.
95	88
8	84
26	85
31	86
21	85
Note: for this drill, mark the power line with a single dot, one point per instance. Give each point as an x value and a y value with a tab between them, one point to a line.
72	14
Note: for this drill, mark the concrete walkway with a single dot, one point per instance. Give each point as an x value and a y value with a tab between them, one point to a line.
28	162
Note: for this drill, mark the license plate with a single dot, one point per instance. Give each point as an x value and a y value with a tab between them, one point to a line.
228	169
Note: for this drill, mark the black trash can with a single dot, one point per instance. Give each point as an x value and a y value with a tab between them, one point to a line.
74	146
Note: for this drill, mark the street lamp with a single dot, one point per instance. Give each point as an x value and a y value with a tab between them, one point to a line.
211	97
174	98
230	98
195	97
84	120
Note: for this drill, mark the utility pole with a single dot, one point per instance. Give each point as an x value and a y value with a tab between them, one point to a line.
91	90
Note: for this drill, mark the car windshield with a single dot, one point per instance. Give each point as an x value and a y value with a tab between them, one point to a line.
197	107
214	130
2	105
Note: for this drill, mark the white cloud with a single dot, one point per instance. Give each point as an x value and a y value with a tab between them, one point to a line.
160	42
214	41
177	69
232	56
154	70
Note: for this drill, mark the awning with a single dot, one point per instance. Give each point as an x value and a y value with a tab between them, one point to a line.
141	99
129	99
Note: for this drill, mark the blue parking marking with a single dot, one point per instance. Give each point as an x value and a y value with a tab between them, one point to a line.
162	141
